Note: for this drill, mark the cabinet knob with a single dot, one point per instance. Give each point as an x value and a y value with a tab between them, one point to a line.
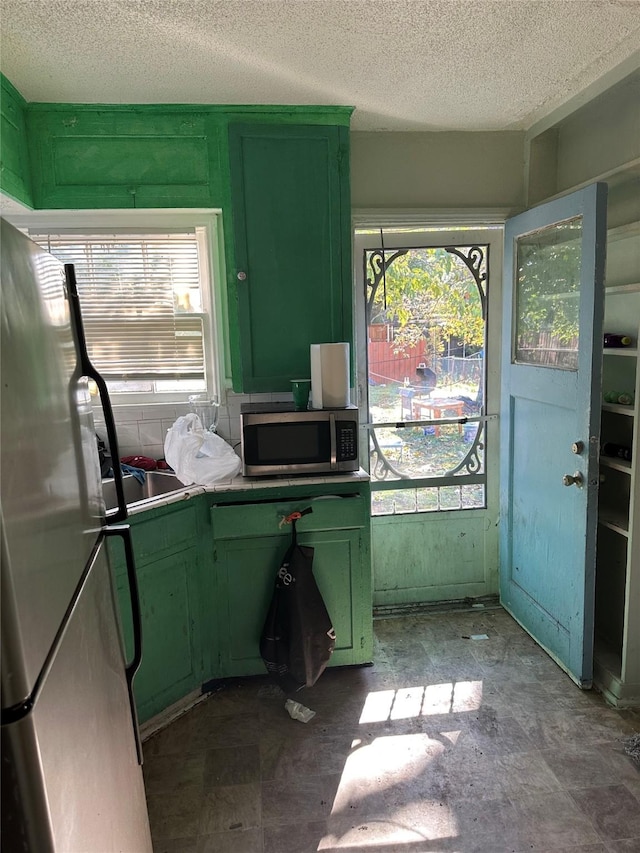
242	276
573	479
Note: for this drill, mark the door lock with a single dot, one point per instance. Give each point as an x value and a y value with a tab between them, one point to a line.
573	479
577	447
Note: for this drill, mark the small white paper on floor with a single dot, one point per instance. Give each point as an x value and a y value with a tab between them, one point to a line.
298	711
479	637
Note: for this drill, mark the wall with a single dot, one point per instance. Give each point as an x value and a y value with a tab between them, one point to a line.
437	170
598	141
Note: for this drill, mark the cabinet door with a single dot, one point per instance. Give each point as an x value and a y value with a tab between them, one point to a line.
289	187
171	649
246	570
170	585
83	158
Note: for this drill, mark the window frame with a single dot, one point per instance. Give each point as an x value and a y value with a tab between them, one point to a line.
213	278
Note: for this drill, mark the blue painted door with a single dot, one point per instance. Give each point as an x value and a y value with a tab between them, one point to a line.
550	422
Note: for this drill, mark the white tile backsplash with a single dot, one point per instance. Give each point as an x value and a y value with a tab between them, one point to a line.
151	432
142	429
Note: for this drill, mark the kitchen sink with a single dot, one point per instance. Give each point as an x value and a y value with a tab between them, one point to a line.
155	483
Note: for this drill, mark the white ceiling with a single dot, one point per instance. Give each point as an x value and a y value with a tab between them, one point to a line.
403	64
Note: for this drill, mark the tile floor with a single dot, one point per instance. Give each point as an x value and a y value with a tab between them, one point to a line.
446	745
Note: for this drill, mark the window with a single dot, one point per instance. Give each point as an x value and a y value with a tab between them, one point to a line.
146	300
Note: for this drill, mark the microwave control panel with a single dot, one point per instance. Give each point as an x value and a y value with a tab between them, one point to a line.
347	440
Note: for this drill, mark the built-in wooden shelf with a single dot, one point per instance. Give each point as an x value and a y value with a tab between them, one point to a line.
618	464
616	523
621	289
617	409
629	352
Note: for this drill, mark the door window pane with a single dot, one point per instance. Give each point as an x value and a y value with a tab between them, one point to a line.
547	291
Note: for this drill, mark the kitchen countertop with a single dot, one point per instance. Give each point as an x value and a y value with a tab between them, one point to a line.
243	484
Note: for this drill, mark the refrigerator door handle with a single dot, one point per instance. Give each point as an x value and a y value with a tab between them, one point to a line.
123	531
87	368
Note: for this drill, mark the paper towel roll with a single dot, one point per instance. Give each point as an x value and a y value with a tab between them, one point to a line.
334	362
316	377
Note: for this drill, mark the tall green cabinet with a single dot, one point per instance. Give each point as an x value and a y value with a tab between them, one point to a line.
291	220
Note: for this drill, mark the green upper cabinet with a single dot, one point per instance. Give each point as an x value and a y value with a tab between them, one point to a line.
292	261
134	156
15	179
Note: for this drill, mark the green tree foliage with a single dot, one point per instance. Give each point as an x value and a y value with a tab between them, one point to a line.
427	294
549	283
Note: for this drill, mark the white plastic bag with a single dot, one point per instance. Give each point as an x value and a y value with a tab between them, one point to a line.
197	455
298	711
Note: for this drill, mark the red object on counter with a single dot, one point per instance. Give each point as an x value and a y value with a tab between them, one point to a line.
163	465
144	462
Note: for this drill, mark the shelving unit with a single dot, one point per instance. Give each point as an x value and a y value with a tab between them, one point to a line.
617	616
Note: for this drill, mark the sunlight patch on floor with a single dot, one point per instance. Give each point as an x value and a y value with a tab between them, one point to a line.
407	702
386	777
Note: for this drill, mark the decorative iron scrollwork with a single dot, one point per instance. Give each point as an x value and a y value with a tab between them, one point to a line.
474	261
381	466
472	462
379	261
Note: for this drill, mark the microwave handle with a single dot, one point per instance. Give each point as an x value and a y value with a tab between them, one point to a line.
332	432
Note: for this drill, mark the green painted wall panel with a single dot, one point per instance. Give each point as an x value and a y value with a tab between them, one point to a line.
434	557
89	161
15	177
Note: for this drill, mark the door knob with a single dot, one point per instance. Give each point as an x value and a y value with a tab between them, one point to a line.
573	479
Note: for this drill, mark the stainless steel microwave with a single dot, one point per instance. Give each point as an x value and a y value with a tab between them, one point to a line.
278	440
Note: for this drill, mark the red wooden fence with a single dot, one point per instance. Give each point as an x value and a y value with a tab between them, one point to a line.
385	366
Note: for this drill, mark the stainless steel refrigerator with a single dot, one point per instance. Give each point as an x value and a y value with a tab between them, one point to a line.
71	758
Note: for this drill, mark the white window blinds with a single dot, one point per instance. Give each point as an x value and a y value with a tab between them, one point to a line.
141	302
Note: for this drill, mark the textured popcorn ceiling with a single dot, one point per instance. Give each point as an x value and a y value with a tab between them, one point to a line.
404	64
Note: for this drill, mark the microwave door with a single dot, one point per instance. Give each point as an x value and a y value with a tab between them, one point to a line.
273	448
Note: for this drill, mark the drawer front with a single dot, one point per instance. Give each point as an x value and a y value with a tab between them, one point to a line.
264	519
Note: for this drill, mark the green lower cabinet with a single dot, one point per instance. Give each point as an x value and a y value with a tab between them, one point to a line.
204	597
171	661
246	564
169	584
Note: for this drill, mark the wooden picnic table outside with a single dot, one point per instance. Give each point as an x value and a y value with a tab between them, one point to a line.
424	409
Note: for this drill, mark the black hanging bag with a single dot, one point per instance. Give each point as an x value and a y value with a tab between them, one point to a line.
298	637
